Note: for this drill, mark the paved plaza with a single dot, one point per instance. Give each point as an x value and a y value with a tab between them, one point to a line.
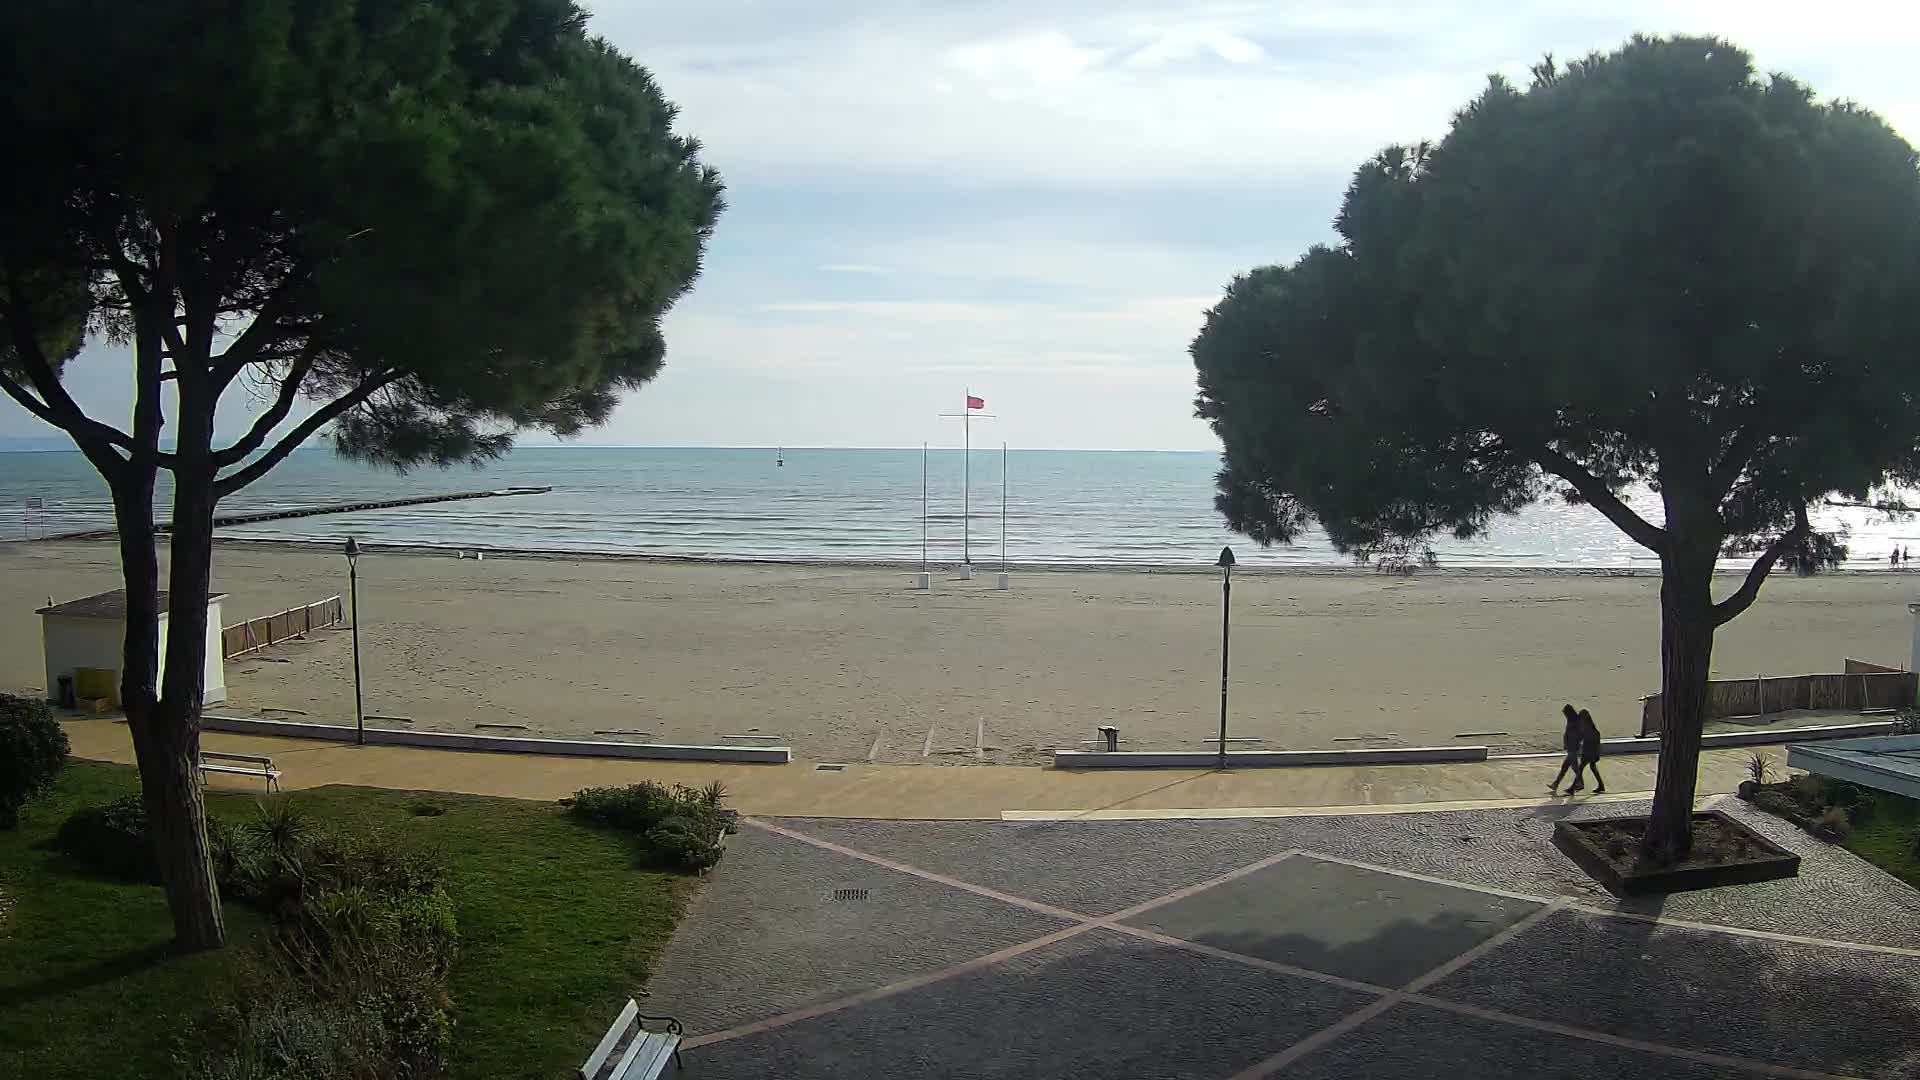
1410	945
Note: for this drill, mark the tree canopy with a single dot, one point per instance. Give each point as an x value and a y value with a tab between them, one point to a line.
1651	267
439	221
1648	266
421	225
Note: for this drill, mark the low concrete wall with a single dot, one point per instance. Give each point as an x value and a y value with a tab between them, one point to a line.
1201	759
448	740
1723	739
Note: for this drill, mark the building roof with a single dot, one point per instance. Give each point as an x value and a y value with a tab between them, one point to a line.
106	605
1886	762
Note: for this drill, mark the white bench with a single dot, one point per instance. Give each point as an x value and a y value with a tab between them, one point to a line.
240	765
631	1050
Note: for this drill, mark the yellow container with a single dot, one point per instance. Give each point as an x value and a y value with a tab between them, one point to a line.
103	683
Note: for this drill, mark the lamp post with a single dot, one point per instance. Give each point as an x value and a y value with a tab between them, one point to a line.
353	592
1226	600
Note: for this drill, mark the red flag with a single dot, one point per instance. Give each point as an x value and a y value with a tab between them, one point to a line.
975	402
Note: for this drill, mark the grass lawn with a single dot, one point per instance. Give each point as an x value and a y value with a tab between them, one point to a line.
558	927
1886	838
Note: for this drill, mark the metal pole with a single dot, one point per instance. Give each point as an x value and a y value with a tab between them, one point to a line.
1003	508
359	713
1226	628
923	508
966	478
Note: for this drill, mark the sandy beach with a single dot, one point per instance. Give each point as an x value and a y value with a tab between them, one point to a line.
846	664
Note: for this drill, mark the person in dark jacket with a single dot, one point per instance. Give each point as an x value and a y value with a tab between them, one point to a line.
1582	741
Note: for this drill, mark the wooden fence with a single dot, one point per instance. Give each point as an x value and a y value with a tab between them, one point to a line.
1861	687
242	638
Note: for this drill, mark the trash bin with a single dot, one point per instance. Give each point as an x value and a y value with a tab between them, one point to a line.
64	695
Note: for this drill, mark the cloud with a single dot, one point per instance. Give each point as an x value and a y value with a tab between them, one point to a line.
1185	45
854	268
1129	95
1047	59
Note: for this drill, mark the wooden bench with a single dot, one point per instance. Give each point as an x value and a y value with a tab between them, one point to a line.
240	765
633	1050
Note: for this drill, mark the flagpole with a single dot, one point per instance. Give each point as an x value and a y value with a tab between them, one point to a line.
923	508
1003	508
965	415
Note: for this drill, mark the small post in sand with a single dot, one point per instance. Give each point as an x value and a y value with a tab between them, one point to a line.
922	581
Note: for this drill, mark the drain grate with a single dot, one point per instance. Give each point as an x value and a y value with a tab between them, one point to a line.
850	894
829	767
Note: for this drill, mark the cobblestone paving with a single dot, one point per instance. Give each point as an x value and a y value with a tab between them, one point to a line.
1406	945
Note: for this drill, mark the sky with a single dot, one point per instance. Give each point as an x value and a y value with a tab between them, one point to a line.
1037	200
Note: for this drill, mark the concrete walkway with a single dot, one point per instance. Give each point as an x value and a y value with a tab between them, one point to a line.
1383	947
933	792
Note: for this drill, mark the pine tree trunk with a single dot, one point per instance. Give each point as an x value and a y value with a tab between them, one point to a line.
182	839
177	824
166	739
1686	661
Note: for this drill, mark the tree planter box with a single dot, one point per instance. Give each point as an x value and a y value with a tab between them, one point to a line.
1760	860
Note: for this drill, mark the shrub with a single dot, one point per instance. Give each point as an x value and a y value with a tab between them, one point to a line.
1759	768
348	930
1834	824
279	828
365	935
1859	802
1809	791
374	862
279	862
111	840
33	750
680	827
236	865
1778	803
389	956
272	1035
376	1009
635	808
425	808
685	842
261	862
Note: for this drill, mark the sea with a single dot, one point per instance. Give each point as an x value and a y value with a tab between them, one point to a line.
1039	507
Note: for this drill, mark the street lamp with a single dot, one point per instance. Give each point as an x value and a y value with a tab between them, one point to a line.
353	591
1226	599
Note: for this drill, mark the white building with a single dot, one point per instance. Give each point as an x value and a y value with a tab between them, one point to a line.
91	633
